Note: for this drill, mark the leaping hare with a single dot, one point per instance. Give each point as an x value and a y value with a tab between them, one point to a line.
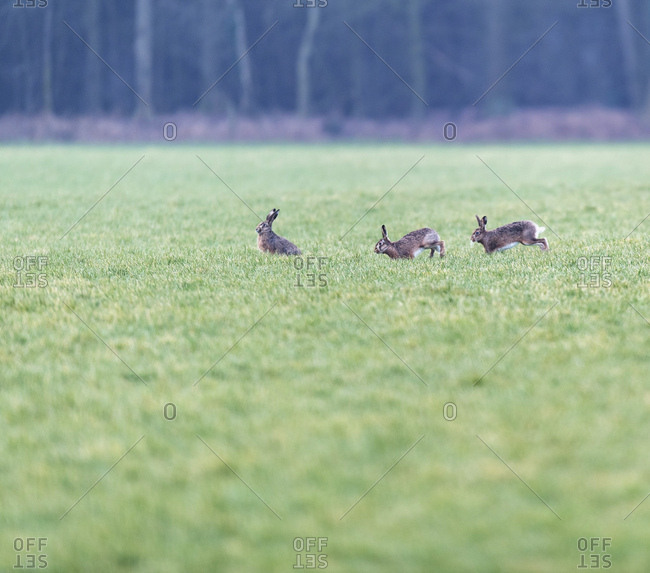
269	242
508	236
411	245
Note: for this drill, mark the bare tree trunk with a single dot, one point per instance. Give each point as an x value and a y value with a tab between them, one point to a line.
93	67
143	53
357	84
646	94
244	67
210	30
630	68
114	87
303	78
416	53
48	98
497	101
28	89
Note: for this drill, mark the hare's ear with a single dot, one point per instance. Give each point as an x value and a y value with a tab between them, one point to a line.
272	216
484	221
383	232
478	220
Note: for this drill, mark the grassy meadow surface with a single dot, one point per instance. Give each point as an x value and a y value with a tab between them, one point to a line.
320	411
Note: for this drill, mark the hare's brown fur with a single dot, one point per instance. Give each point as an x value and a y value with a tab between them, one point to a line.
269	242
410	245
506	237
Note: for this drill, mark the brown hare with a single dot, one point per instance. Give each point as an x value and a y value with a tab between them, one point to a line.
508	236
269	242
411	245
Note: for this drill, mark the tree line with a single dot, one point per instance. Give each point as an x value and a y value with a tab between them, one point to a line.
367	58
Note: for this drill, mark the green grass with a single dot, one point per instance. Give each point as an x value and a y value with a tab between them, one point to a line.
312	405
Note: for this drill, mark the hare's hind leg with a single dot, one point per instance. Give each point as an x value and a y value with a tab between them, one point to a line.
438	246
542	242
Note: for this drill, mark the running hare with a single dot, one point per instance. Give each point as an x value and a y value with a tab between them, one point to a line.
508	236
411	245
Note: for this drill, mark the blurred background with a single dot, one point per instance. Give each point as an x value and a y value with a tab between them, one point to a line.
308	69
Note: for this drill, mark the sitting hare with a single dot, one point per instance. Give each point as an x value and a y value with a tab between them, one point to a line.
269	242
506	237
411	245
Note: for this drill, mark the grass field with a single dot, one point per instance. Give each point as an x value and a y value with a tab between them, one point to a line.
498	407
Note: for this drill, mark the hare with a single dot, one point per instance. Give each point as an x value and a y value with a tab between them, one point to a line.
506	237
411	245
269	242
